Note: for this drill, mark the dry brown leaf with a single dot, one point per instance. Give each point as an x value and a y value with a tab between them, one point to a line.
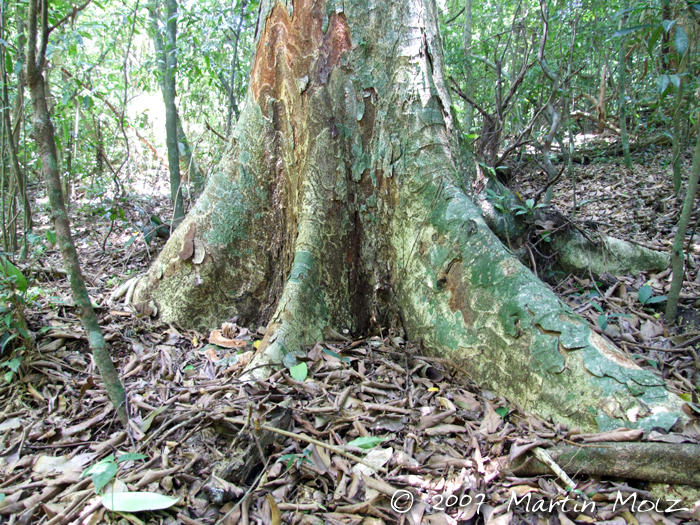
503	519
443	430
218	339
439	519
275	514
491	421
621	434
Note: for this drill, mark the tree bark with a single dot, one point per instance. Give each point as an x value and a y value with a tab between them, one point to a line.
19	176
468	71
45	138
622	104
677	257
677	127
193	171
170	58
343	204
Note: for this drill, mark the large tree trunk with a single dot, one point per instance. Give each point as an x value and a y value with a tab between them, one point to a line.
343	204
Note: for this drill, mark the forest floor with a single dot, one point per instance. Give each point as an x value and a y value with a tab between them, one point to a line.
419	423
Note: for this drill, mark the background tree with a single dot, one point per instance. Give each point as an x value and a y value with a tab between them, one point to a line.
37	43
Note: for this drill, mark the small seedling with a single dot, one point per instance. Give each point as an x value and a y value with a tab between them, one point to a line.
12	364
529	208
291	459
645	294
105	470
299	372
604	319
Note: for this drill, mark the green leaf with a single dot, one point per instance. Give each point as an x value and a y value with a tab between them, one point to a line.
502	411
366	442
299	372
696	6
131	456
644	293
102	473
653	39
681	40
11	270
2	497
330	352
137	501
13	364
603	322
627	30
335	354
662	83
652	362
675	80
130	241
6	338
91	468
289	458
657	299
51	237
668	25
146	423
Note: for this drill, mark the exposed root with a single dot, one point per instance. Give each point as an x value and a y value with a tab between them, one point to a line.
673	463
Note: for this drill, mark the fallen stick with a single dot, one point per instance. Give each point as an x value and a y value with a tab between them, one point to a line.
676	464
306	439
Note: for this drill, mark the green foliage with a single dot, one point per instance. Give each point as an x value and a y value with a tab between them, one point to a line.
528	208
499	201
603	319
297	459
366	442
645	294
101	472
299	372
505	35
105	470
137	501
335	354
13	325
13	365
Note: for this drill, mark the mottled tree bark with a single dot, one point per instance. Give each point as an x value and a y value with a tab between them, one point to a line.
44	136
195	174
343	203
677	256
622	103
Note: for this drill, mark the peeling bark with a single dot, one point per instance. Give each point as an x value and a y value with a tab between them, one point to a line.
343	202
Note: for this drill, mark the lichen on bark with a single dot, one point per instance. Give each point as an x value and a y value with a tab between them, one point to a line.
344	202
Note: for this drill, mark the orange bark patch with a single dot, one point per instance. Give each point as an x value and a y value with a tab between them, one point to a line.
291	48
458	292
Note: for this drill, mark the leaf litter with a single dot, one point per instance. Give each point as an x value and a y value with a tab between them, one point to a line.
416	423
